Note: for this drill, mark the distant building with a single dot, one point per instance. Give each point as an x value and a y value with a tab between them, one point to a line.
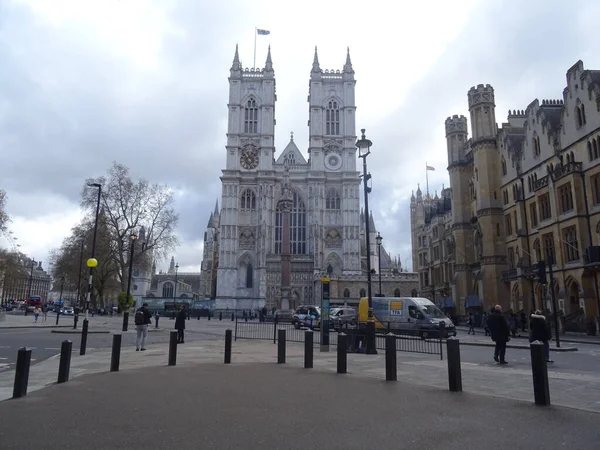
16	284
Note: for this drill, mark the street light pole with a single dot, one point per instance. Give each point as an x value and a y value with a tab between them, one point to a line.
175	289
62	285
30	280
364	149
379	239
79	274
133	238
92	262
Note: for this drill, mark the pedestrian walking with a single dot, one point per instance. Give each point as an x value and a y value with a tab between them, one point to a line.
36	314
471	323
156	317
180	324
499	332
484	324
512	323
523	321
540	331
142	319
45	312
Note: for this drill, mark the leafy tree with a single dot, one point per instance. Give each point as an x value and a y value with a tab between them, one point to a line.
124	302
128	206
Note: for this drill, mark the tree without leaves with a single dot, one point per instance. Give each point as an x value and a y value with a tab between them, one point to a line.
4	219
128	207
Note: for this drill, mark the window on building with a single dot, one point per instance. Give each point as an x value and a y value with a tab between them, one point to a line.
533	214
511	258
580	115
397	292
571	246
508	219
346	293
363	293
596	189
297	228
497	229
516	222
544	204
332	118
593	148
565	196
536	146
248	200
251	117
503	166
537	250
505	195
249	276
289	159
548	241
168	290
332	200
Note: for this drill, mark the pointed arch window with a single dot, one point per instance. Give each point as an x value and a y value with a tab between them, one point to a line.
168	290
363	293
332	200
580	114
297	227
251	117
248	200
397	292
503	166
536	146
346	293
289	159
249	276
332	118
593	149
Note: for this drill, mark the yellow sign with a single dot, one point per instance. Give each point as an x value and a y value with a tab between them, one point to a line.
325	280
396	305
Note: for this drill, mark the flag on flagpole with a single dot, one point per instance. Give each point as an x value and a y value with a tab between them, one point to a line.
429	167
262	32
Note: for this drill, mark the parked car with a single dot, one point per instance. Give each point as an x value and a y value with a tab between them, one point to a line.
343	316
69	311
307	316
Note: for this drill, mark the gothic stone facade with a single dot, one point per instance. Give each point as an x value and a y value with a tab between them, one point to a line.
244	239
527	191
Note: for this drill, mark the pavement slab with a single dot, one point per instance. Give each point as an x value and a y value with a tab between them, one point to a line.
270	406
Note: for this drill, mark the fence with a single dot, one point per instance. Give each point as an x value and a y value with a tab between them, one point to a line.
356	337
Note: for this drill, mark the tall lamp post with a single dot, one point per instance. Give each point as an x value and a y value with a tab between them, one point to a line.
364	150
92	262
133	239
33	263
379	239
79	274
62	285
175	289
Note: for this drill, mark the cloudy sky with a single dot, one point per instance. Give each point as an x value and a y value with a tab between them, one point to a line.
144	82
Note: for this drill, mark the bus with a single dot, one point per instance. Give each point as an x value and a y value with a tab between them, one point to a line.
34	300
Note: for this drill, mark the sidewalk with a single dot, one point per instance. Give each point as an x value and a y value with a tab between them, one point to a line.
21	320
520	343
568	337
580	391
269	406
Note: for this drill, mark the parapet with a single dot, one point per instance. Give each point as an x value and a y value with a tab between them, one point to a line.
481	95
456	124
553	102
516	114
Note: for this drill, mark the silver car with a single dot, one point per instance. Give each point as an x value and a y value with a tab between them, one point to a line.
343	316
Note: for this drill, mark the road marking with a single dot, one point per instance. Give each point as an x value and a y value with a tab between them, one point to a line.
52	348
3	358
4	346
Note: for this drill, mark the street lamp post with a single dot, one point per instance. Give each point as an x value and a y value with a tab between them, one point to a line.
175	289
364	149
79	274
62	285
92	262
33	263
379	239
133	239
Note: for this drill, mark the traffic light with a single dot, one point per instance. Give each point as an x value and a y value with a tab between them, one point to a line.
542	272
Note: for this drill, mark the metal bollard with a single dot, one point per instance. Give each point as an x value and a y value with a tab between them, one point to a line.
342	355
228	346
539	369
209	315
115	357
220	316
75	319
275	329
281	346
125	321
57	316
232	317
442	335
84	333
173	348
391	368
64	365
454	370
22	372
308	349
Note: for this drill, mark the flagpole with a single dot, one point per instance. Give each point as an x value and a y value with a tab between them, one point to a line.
427	178
254	65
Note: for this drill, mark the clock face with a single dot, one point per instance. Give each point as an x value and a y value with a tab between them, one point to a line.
249	158
333	161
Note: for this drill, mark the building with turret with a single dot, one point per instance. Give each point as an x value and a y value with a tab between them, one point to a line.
521	193
288	219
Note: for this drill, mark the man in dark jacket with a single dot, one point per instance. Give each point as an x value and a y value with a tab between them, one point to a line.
499	332
142	319
180	323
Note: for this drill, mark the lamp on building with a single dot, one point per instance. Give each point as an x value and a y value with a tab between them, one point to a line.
133	238
364	150
175	290
379	239
92	262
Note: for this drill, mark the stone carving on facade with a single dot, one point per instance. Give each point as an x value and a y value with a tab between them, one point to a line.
247	238
333	238
333	146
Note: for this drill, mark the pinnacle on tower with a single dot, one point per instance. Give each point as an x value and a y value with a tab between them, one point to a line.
210	221
348	66
316	68
216	213
269	62
236	60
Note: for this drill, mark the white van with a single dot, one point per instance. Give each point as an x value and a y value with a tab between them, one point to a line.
407	315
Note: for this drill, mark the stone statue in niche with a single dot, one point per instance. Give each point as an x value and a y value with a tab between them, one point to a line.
247	238
333	238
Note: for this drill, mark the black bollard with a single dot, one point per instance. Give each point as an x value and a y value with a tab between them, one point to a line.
84	333
228	335
220	316
209	315
115	357
232	317
22	372
281	346
391	368
57	316
308	349
541	388
275	329
454	370
75	319
64	365
442	336
198	316
173	348
342	355
125	321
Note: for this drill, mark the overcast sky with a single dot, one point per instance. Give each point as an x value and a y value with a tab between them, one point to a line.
144	82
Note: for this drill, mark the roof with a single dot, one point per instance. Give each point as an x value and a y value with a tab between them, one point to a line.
291	154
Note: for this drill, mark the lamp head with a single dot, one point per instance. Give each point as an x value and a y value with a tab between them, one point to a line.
378	238
133	236
92	262
364	145
98	185
177	266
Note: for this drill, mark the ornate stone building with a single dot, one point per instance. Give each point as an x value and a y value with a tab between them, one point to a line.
526	191
29	276
286	220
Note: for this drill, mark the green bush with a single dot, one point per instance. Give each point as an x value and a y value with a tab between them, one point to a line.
124	303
